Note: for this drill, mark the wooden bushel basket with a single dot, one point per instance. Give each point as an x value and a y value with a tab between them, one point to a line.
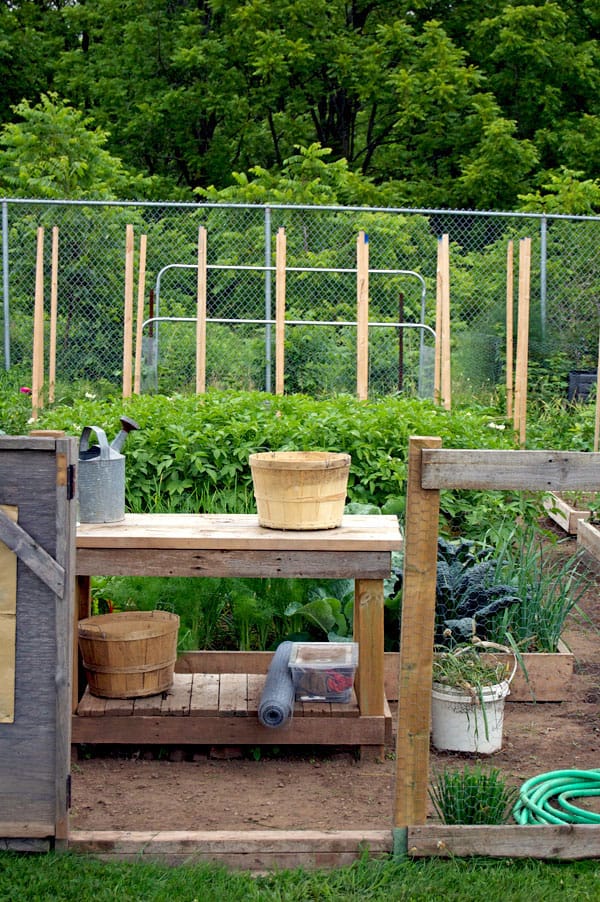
129	654
300	489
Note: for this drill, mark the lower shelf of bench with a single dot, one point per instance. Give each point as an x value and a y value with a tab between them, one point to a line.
221	709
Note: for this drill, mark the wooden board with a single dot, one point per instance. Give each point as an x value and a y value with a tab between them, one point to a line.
569	842
248	850
239	532
8	624
564	514
542	471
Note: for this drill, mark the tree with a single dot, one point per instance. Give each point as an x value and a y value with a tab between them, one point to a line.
54	152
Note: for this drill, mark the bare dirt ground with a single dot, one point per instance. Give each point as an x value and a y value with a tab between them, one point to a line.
196	789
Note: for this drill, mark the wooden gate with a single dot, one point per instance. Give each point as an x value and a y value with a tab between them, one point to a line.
37	553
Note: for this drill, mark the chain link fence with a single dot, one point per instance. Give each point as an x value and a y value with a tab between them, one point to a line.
320	340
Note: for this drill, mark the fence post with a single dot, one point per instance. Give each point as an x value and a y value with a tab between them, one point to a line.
5	300
543	282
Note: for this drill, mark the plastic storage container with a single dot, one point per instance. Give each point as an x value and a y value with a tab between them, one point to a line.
323	671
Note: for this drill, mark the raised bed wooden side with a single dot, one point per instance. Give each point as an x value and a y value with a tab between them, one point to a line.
565	514
588	538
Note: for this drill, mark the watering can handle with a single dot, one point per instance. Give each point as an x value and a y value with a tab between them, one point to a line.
485	643
84	441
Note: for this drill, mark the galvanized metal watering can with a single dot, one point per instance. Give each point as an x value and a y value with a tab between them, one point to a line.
101	475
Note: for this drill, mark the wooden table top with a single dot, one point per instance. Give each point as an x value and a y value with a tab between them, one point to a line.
358	532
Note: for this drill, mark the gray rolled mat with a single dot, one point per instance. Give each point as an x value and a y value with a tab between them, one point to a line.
277	700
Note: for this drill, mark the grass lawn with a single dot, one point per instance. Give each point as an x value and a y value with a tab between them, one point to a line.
68	877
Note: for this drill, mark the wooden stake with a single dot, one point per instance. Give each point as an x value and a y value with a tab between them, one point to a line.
201	313
446	385
416	641
520	422
137	376
280	273
37	371
362	316
437	369
128	312
53	316
509	329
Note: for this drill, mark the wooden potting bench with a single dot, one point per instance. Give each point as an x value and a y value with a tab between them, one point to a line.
215	701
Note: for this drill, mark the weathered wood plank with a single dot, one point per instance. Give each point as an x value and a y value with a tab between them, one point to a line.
204	699
32	554
248	850
256	685
416	641
564	842
239	532
176	700
257	662
543	471
368	605
221	730
116	561
119	707
8	624
233	694
147	705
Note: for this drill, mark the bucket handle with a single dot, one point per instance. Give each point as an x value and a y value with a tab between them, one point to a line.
84	441
485	643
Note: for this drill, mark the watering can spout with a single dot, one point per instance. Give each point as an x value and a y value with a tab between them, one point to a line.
127	425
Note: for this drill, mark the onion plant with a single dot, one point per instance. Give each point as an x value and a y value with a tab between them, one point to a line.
472	796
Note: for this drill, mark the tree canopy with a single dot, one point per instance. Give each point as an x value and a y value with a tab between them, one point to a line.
425	103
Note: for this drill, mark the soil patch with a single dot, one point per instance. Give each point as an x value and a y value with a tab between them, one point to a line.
234	789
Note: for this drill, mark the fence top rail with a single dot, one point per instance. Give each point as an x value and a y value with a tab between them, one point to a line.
543	471
190	205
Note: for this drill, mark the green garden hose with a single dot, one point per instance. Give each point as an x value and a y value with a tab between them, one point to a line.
557	787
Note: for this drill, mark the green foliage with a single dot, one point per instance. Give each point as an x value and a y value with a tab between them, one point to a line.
54	151
472	796
192	451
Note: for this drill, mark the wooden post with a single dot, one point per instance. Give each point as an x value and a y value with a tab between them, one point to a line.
509	328
137	376
520	420
201	314
53	316
280	272
362	316
37	372
444	270
416	641
128	312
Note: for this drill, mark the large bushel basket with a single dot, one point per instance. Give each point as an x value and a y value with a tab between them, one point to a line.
300	489
129	654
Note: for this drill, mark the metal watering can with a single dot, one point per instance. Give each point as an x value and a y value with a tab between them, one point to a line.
101	475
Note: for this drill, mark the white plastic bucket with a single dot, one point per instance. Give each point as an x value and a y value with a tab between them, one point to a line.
463	723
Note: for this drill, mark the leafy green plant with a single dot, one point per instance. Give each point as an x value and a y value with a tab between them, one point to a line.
549	587
472	796
330	614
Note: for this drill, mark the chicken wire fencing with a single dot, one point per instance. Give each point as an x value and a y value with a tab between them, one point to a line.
88	239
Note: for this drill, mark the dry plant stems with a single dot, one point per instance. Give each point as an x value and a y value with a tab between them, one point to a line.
467	670
472	796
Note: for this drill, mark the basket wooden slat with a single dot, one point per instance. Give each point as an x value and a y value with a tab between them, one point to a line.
300	489
129	654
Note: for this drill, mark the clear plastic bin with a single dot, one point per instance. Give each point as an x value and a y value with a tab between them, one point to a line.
323	671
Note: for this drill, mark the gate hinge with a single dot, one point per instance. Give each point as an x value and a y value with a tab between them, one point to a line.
70	482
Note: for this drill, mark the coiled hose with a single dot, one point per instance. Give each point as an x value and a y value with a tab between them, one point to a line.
557	787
